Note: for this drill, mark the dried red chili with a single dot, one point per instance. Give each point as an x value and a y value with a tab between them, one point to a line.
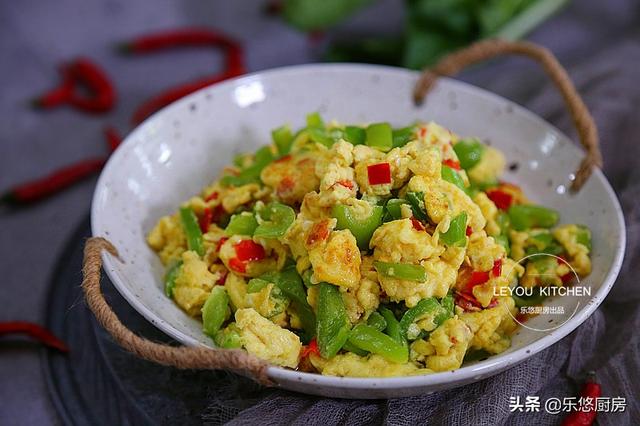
585	414
35	331
112	137
53	183
234	62
101	94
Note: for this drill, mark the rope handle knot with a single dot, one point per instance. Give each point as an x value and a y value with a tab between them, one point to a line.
183	357
491	48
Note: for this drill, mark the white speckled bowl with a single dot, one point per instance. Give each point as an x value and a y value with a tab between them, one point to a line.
176	152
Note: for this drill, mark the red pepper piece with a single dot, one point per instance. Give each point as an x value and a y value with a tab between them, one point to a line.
82	71
192	37
38	189
283	159
249	251
496	271
205	220
218	213
113	138
213	196
585	415
346	183
452	163
223	278
417	225
311	348
501	199
36	331
468	231
379	174
477	278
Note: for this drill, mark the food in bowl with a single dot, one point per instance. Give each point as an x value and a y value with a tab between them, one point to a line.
365	251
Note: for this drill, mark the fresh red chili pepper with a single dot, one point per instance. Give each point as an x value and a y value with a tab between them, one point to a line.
34	330
248	251
452	163
417	225
379	174
205	220
113	137
585	415
423	132
468	231
234	62
38	189
311	348
83	72
477	278
212	196
501	199
496	271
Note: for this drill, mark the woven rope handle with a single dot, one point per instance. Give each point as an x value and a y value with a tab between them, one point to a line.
181	357
487	49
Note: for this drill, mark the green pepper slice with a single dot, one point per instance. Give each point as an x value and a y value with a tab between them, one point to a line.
350	347
377	321
170	277
229	337
283	139
277	218
403	136
504	242
362	229
251	174
242	224
424	308
469	152
355	135
403	271
456	235
451	176
393	209
215	311
192	230
448	309
332	321
367	338
393	326
379	136
584	236
314	120
526	216
290	283
416	200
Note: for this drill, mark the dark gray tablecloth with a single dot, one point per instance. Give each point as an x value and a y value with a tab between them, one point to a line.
598	41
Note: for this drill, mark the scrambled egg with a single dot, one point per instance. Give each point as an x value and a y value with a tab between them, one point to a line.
399	249
267	340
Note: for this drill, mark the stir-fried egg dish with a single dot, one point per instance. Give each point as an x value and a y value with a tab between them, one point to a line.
365	251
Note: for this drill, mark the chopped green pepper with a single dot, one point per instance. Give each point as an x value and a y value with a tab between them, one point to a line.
503	240
355	135
380	136
251	174
283	138
256	284
526	216
424	309
448	309
453	177
402	136
243	223
192	230
290	283
314	120
332	321
215	311
393	325
228	337
362	229
393	208
350	347
367	338
277	218
469	152
377	321
170	277
584	236
456	234
416	200
403	271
